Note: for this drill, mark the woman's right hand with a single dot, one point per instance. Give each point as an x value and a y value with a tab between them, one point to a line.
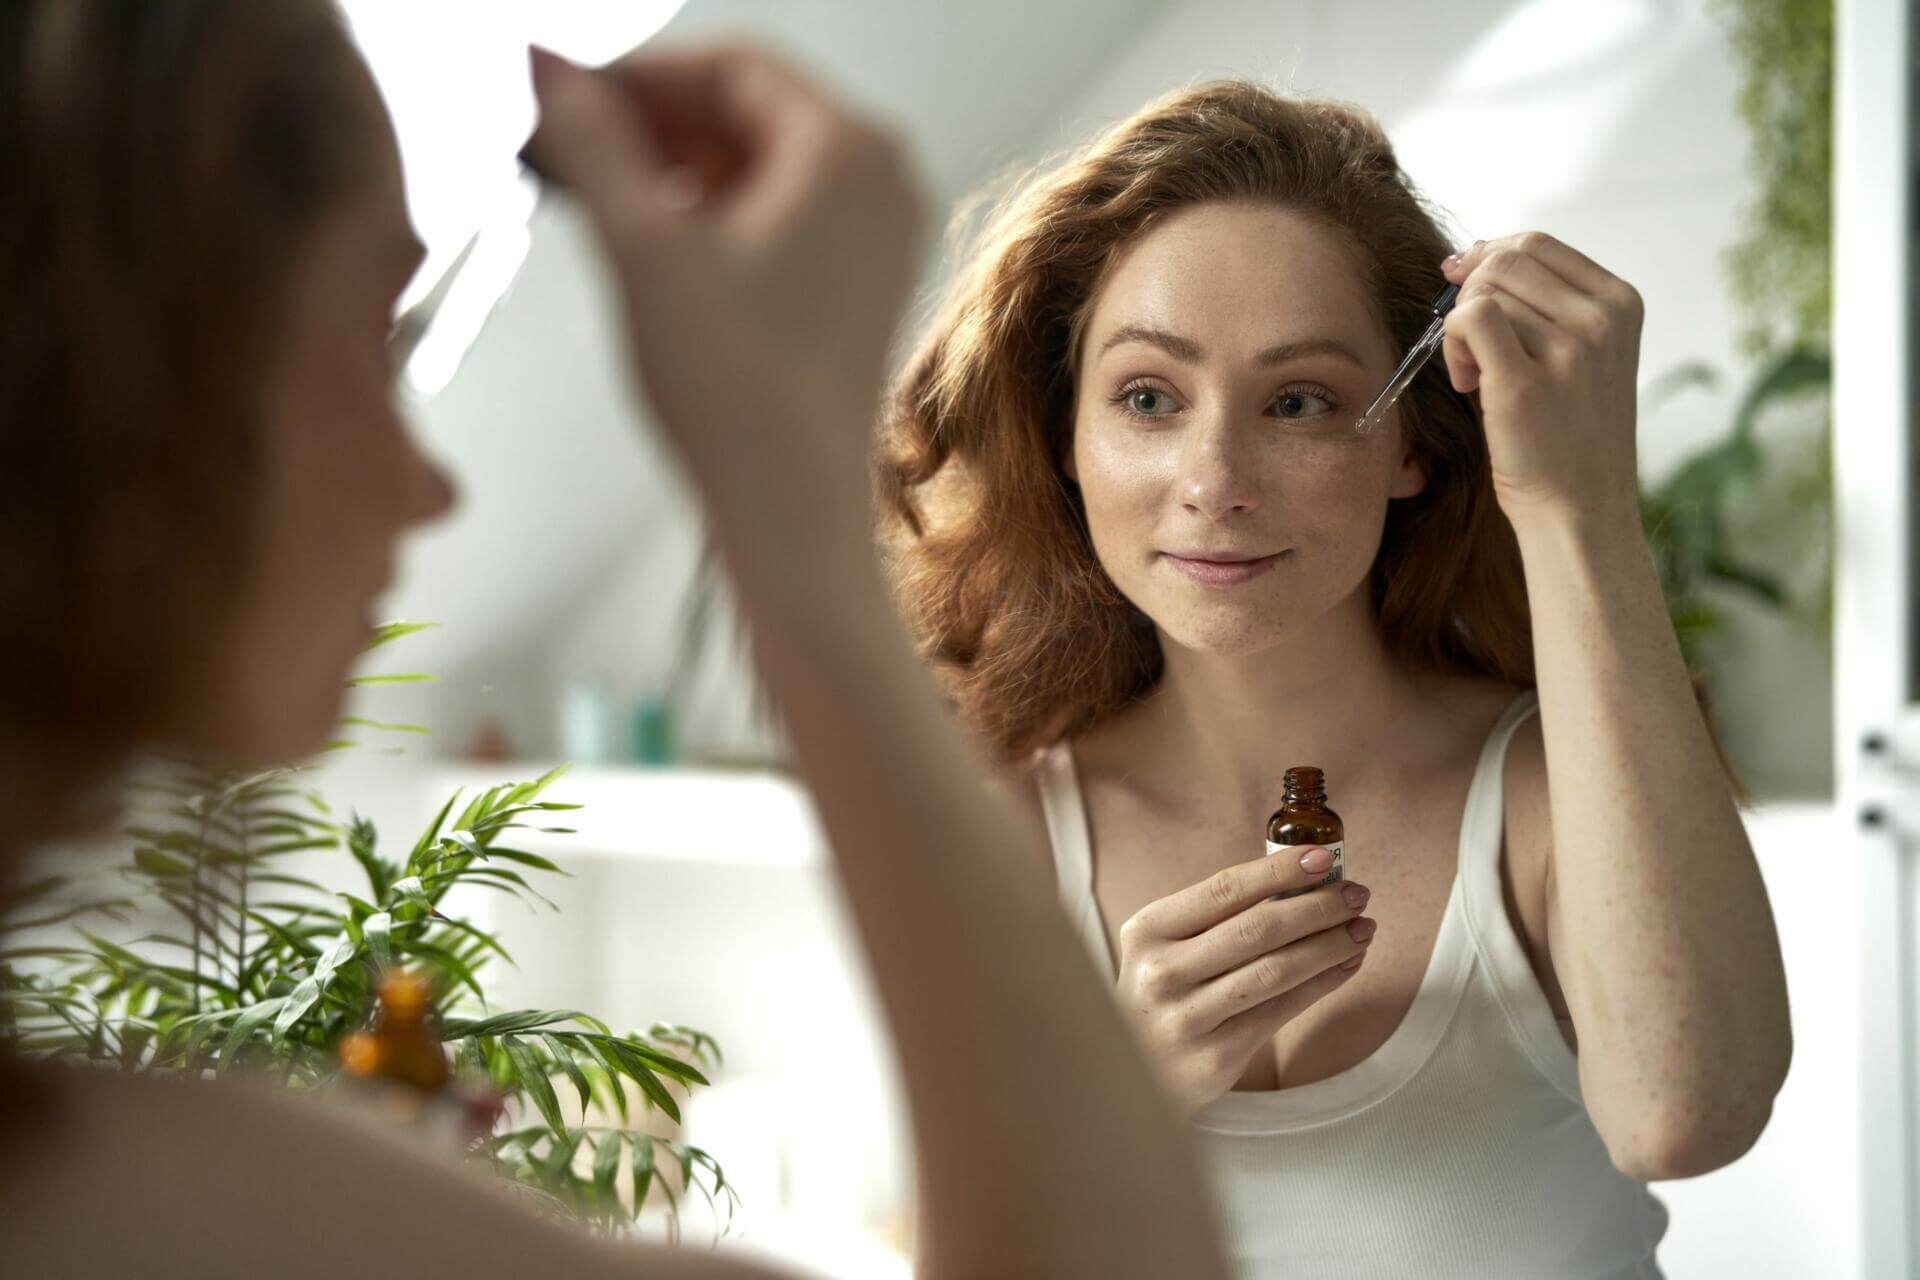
1209	974
765	239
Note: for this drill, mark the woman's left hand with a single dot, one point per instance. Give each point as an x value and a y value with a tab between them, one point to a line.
1551	341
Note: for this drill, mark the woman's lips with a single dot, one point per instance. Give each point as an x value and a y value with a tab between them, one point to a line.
1221	573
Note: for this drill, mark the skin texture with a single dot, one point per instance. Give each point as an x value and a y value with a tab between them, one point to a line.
1649	912
766	241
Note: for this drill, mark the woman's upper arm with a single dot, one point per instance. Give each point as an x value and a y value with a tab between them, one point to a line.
1014	789
1527	869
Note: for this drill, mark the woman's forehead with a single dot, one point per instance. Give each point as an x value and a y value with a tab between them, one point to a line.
1228	266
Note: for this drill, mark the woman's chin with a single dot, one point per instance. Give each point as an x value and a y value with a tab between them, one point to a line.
264	731
1225	637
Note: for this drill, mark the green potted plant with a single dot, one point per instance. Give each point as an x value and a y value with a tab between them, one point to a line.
262	969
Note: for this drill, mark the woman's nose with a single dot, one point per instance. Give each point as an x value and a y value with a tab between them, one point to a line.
1216	478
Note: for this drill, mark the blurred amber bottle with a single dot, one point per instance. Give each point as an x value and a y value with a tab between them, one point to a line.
404	1045
1303	818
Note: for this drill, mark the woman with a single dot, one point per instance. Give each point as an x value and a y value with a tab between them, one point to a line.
1139	531
204	234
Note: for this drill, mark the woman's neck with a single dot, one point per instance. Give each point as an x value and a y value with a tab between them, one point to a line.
1227	725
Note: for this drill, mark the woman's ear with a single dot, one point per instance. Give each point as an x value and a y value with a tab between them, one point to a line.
1409	478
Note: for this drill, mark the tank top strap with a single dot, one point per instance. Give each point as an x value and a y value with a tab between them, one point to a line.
1509	972
1072	843
1066	818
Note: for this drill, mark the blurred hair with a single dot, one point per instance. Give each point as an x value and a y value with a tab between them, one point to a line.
994	562
167	160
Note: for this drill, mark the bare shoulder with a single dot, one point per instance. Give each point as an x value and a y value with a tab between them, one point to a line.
216	1180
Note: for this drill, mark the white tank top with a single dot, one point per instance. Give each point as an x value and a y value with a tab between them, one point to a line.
1461	1148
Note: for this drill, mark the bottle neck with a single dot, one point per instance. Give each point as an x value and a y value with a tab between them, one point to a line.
1305	786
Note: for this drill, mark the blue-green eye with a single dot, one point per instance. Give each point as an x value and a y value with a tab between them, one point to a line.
1145	402
1300	403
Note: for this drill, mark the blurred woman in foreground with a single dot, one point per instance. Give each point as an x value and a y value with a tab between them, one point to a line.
204	236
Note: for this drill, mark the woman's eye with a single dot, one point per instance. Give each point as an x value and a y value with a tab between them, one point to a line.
1147	402
1301	404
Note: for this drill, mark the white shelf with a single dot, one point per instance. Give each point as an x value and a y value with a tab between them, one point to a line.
726	817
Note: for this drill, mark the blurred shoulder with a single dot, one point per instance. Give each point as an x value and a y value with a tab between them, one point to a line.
217	1179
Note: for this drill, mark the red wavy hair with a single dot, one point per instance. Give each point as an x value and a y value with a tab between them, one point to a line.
988	538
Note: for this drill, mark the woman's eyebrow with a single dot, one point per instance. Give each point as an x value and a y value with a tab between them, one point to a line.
1188	350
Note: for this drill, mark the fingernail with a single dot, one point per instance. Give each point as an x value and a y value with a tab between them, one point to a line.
1354	963
1451	261
1316	860
1360	930
1356	895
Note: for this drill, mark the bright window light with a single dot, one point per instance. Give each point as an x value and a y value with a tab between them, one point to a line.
454	74
1550	38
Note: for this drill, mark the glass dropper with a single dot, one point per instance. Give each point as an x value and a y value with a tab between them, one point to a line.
1417	357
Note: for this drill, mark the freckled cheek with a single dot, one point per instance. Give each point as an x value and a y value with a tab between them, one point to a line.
1336	509
1123	482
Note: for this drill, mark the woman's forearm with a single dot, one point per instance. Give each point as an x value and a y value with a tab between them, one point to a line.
1044	1145
1659	925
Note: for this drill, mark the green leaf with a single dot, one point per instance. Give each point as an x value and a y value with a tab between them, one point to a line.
248	1022
387	632
411	889
431	836
448	963
413	677
563	1054
532	1075
621	1059
295	1004
642	1170
524	858
379	932
1793	372
606	1160
385	727
503	1023
156	863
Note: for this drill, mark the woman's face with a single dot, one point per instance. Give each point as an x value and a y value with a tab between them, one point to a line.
339	479
1228	354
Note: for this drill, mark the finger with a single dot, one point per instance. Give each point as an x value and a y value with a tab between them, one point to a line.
1576	268
1226	893
1259	1023
1262	928
1276	973
591	142
1543	289
1536	330
748	123
1480	338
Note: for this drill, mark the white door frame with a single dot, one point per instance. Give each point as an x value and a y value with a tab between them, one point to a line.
1877	729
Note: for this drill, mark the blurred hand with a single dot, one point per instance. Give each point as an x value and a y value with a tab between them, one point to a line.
1208	975
1551	341
765	241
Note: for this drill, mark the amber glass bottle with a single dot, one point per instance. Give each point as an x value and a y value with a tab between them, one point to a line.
1303	819
403	1045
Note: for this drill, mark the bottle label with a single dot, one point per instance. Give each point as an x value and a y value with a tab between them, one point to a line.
1338	848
